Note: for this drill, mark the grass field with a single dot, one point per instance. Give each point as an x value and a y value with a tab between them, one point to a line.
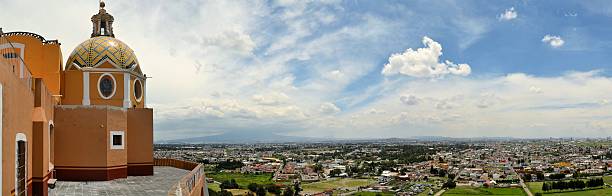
607	179
536	187
243	180
484	191
317	187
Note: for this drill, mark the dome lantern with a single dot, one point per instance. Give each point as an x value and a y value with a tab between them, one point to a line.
102	23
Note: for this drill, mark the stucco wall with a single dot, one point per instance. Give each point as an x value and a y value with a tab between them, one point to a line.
18	101
80	136
117	121
72	88
140	139
44	60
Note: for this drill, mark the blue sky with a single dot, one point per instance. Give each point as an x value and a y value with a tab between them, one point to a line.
358	69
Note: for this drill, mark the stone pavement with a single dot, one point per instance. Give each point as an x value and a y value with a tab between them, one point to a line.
158	184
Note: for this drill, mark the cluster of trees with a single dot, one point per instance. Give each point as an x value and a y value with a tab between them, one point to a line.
229	184
261	190
573	184
439	172
406	153
229	165
450	183
220	193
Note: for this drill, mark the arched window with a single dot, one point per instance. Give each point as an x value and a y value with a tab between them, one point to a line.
21	154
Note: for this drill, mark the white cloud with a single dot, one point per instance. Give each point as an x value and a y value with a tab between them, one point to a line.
534	89
423	62
554	41
329	108
509	14
232	40
409	99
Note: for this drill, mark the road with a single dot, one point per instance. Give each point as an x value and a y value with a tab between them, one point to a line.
523	184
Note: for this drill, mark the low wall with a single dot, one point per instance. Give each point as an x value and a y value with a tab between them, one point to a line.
192	184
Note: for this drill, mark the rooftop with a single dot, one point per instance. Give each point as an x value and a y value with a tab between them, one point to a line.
158	184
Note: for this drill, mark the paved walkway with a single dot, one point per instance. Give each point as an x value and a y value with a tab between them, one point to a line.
158	184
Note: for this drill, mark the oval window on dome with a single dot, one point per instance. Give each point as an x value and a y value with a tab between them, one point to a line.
106	86
138	90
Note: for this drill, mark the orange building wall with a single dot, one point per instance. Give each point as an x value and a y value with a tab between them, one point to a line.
43	60
80	136
94	95
140	142
18	101
82	143
117	121
72	88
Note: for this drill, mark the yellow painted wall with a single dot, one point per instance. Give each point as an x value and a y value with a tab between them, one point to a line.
43	60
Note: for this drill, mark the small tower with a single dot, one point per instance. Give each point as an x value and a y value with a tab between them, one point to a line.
102	23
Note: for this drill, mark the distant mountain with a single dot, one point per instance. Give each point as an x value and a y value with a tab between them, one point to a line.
234	138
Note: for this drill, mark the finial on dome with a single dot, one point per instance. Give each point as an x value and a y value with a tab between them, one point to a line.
102	4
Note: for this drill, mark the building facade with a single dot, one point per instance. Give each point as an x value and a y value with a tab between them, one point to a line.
83	121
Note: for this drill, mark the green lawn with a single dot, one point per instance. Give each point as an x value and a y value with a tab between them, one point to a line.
317	187
484	191
536	187
214	187
242	179
608	179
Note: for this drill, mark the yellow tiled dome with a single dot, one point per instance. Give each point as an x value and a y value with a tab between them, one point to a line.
96	50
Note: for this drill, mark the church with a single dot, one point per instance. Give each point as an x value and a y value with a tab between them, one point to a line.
85	120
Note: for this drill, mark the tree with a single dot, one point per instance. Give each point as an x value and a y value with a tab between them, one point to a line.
449	184
545	187
527	177
297	188
261	191
274	189
317	167
335	172
253	187
432	170
442	173
540	176
288	192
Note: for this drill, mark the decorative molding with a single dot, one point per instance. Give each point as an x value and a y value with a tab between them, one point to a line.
39	37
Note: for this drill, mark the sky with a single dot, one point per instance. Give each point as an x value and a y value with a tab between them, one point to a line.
356	69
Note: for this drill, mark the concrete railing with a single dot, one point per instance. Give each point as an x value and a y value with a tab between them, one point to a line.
192	184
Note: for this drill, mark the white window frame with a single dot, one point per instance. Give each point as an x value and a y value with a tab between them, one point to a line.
117	147
114	86
138	99
49	144
21	137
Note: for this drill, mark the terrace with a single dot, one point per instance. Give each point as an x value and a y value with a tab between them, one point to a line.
171	177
